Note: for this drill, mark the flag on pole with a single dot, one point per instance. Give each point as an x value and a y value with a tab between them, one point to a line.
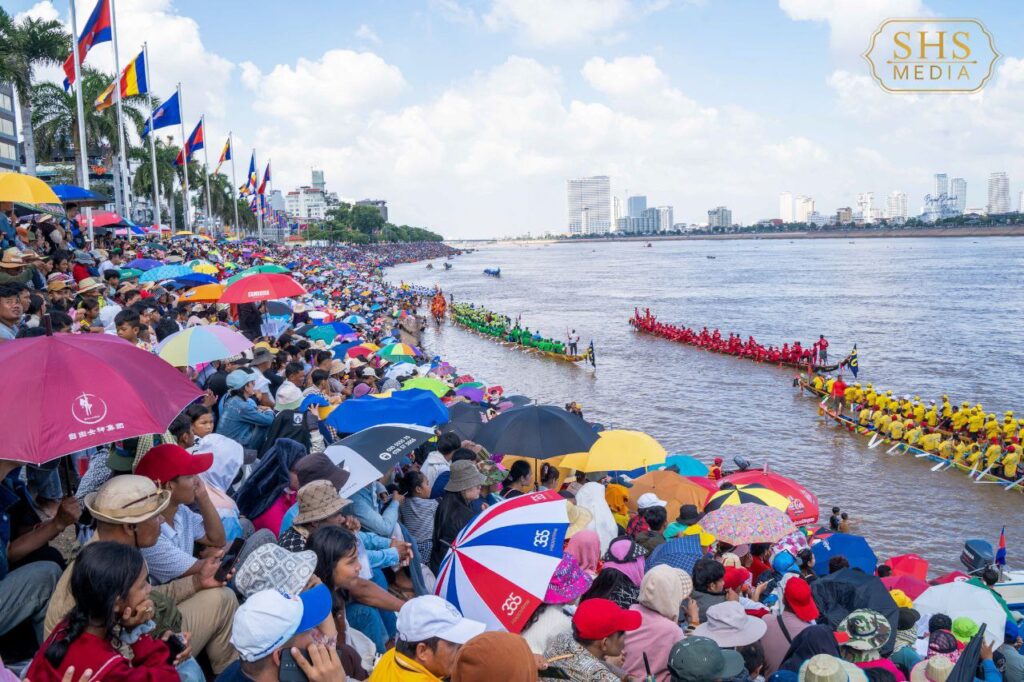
853	362
194	144
133	82
250	180
1001	550
266	179
167	114
97	30
225	154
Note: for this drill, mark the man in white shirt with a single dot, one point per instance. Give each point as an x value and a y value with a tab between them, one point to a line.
440	460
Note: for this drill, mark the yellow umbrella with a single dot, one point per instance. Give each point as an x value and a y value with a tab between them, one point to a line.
617	450
205	269
26	189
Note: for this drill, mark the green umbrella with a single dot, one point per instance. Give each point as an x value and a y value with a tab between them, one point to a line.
435	386
259	269
129	273
325	332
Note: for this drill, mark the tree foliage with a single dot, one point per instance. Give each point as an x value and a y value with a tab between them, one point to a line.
365	225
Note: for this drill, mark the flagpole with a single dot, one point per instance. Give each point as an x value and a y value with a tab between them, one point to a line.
259	209
206	175
152	138
270	192
82	153
184	162
122	139
234	181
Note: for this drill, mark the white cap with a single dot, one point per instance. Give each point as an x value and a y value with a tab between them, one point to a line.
269	618
288	397
648	500
430	616
368	372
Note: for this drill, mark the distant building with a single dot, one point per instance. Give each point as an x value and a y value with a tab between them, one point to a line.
380	204
998	193
276	200
844	215
896	206
941	184
1020	202
9	157
616	209
636	205
719	216
318	180
664	218
958	192
786	207
865	204
306	202
816	219
804	207
589	202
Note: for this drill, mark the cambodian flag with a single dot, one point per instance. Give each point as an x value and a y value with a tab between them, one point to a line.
1001	550
97	30
194	144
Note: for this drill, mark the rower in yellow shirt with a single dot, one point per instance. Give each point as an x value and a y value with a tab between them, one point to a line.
913	433
932	416
850	395
947	448
973	453
870	396
929	442
1009	427
975	423
960	418
993	453
829	384
1010	461
882	422
817	383
864	416
947	408
919	411
896	429
992	428
961	450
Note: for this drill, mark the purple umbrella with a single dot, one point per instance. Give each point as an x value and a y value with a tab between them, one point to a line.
144	264
471	392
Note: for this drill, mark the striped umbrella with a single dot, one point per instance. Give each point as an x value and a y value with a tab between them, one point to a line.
741	494
362	350
526	532
196	345
399	352
354	319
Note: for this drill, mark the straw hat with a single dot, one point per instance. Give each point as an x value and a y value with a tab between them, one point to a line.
12	259
934	669
127	499
464	475
825	668
317	501
88	284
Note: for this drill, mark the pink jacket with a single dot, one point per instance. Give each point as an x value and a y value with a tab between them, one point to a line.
655	637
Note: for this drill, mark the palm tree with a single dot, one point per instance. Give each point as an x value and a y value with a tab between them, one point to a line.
24	46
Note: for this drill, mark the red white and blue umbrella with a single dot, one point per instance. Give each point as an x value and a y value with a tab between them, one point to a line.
499	567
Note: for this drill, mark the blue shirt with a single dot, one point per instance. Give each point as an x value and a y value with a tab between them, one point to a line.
364	508
240	420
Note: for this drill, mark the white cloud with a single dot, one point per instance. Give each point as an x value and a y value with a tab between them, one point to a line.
364	32
625	76
43	10
547	23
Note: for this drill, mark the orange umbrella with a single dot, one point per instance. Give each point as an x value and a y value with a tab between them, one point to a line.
675	489
207	293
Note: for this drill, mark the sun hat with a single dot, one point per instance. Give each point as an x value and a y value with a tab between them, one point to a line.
127	499
360	390
317	501
699	659
83	257
689	514
579	519
168	461
475	661
798	598
568	583
599	618
934	669
867	630
964	629
288	397
58	284
261	355
429	616
88	284
735	576
648	500
729	625
319	467
272	567
826	668
337	367
265	346
464	475
268	619
239	378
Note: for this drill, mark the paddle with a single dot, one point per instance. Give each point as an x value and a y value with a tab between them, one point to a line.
940	465
1014	484
982	474
974	467
874	443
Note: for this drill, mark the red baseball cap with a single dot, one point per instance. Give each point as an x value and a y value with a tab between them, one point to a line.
599	618
168	461
797	596
734	577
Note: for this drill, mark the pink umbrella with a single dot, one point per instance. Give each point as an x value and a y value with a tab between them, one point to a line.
909	564
911	586
66	393
262	287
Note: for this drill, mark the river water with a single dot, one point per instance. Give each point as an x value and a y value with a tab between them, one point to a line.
930	316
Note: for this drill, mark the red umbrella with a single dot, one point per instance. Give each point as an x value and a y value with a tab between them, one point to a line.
912	587
803	505
66	393
951	577
262	287
103	219
909	564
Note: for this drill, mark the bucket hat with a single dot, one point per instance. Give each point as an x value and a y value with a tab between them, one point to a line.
729	625
127	499
867	630
464	475
317	501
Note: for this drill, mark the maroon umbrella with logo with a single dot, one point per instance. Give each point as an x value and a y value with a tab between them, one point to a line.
65	393
262	287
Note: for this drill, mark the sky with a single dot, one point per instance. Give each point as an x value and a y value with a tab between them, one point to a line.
468	116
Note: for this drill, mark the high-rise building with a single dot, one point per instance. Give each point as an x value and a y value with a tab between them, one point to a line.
896	206
636	205
9	157
844	215
590	205
865	204
616	209
276	200
318	180
306	202
380	204
804	206
998	193
719	216
786	207
958	192
941	184
664	218
1020	202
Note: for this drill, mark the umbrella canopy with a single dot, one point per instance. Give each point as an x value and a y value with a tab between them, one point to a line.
466	420
399	371
675	489
266	268
687	465
912	587
617	450
323	333
848	589
279	308
381	447
73	194
205	268
964	599
747	523
196	345
538	431
746	493
354	319
679	552
526	532
128	273
471	393
207	293
26	189
405	407
67	393
362	350
910	565
855	548
803	504
195	279
144	264
262	287
105	219
165	272
399	352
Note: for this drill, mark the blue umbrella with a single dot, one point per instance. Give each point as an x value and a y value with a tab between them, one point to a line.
339	327
688	466
855	548
144	264
680	552
414	406
194	279
165	272
79	195
339	350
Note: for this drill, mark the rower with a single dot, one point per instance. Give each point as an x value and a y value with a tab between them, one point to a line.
947	448
932	415
993	453
913	432
1010	460
864	416
974	423
896	428
919	410
929	442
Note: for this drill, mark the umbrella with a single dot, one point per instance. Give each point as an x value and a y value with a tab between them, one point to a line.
538	431
105	219
196	345
144	264
354	319
855	548
165	272
746	493
848	589
435	386
399	371
617	450
526	532
680	552
262	287
471	393
465	419
381	447
687	465
362	350
966	667
963	599
909	565
747	523
205	268
911	586
399	352
207	293
26	189
67	393
405	407
675	489
195	279
278	308
271	268
323	333
803	505
517	400
73	194
128	273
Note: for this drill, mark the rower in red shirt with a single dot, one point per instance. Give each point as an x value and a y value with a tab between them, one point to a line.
715	472
822	349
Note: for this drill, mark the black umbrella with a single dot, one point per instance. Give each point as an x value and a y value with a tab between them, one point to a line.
538	431
465	419
517	400
373	452
278	308
850	589
966	668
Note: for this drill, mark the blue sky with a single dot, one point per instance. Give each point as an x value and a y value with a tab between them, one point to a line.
468	116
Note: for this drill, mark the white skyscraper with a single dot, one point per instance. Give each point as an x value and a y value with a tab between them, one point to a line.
958	191
998	193
804	207
941	184
590	205
896	208
616	208
786	207
664	218
865	204
1020	202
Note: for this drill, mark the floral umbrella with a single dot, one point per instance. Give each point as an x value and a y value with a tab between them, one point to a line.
747	523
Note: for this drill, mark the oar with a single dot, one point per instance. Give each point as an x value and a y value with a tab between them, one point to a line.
982	474
940	465
922	454
872	443
974	467
1014	484
892	450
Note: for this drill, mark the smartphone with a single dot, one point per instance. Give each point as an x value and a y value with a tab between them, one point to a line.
290	670
227	563
176	643
553	673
